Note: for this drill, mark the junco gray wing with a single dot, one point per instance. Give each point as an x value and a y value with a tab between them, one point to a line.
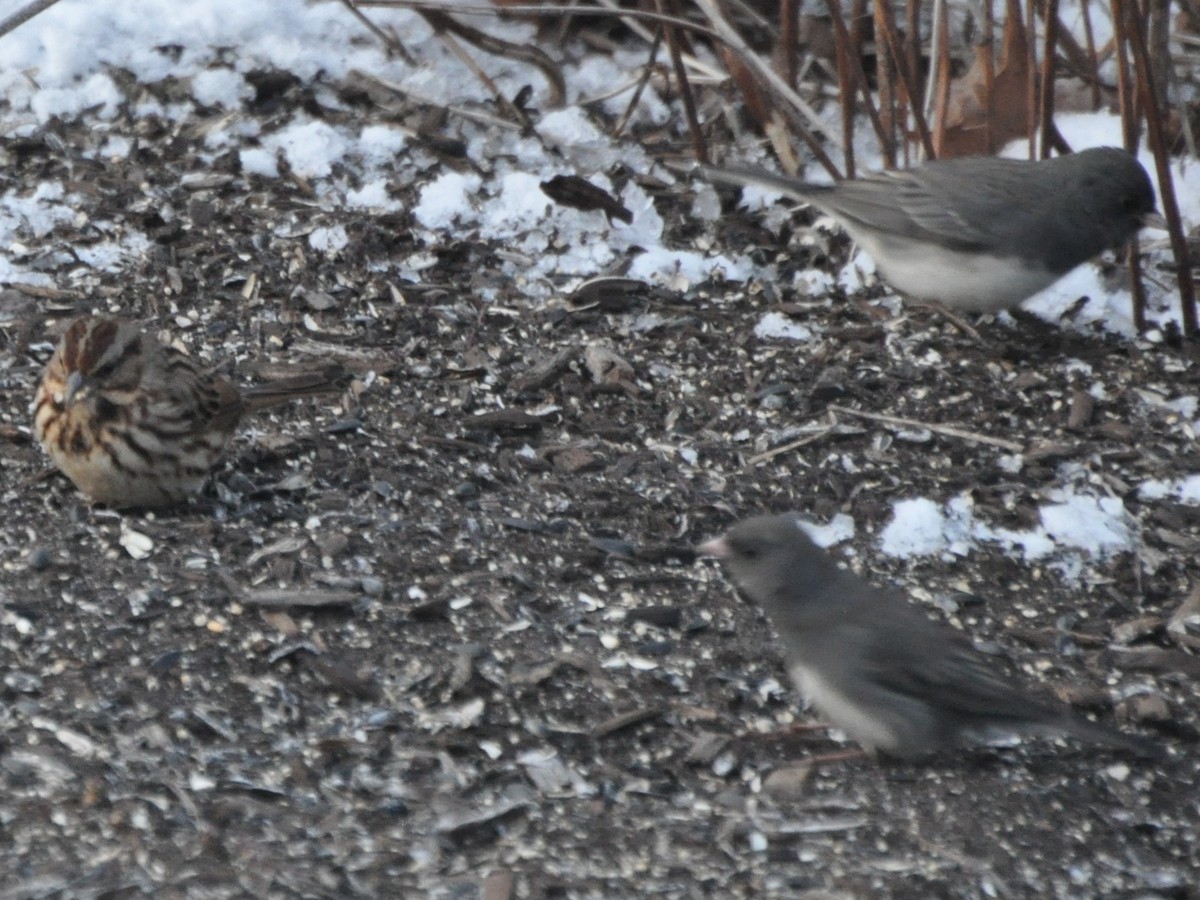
982	233
893	679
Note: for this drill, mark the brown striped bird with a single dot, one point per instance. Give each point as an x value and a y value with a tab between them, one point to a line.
134	423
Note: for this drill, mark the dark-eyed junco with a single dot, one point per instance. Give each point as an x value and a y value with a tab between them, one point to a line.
893	679
981	233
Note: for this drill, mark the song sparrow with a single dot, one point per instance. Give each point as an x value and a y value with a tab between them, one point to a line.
134	423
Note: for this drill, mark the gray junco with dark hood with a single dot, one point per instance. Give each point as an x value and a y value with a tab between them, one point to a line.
981	233
894	680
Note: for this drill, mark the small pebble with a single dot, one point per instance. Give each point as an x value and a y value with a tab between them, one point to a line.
39	559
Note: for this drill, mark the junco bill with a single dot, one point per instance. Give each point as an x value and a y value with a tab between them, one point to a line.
894	680
980	233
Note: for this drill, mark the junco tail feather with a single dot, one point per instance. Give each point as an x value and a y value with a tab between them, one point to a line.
896	681
981	234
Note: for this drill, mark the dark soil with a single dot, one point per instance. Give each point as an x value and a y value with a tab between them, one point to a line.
444	635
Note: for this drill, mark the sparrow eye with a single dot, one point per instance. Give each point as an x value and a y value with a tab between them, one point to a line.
106	411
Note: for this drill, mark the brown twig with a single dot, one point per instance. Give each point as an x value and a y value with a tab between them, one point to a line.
446	26
632	18
989	73
789	39
389	41
1031	70
1158	36
1046	95
939	55
847	43
1156	137
886	22
1093	61
801	112
885	73
471	115
947	430
699	146
1126	91
954	319
519	115
1133	259
847	88
912	44
647	71
790	446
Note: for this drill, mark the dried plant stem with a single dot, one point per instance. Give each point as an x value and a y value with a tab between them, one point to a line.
389	41
446	25
947	430
1031	69
23	15
789	39
767	74
847	44
674	39
886	22
472	115
848	90
989	72
634	19
937	90
1155	134
1046	94
1089	37
912	48
790	446
1133	259
647	71
939	58
1126	91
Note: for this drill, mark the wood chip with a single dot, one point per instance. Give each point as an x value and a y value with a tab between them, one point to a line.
297	597
626	720
544	373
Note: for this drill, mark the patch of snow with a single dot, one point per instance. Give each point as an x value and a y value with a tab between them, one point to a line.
777	325
372	195
311	147
446	201
840	528
221	87
1185	490
921	527
257	161
1073	523
328	240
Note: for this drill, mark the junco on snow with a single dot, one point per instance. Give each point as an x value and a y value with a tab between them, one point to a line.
980	233
894	680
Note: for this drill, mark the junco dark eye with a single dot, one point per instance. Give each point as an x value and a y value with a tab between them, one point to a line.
745	549
1130	203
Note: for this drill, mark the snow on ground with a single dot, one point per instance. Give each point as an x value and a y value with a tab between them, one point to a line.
64	63
1073	527
59	64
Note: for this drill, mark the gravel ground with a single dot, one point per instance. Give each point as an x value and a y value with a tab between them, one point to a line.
445	636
